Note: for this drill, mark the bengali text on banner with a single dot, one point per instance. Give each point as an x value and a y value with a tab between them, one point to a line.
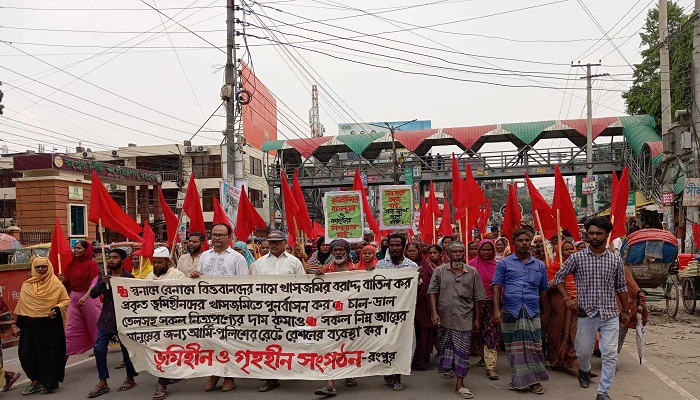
396	211
344	218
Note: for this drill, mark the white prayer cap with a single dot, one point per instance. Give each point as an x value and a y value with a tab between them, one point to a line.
161	252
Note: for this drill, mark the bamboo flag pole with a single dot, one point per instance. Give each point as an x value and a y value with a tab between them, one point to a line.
102	245
434	232
539	223
561	262
461	229
60	267
172	250
612	221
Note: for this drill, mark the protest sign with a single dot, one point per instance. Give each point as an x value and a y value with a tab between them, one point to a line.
230	195
340	325
396	211
344	218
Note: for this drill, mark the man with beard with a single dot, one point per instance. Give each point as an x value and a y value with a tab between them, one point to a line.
107	325
162	270
600	277
340	258
396	259
522	279
189	262
264	248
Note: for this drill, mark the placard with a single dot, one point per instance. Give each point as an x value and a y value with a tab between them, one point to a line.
344	218
230	195
588	185
337	326
396	208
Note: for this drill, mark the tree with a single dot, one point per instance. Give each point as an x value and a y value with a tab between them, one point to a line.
644	97
498	198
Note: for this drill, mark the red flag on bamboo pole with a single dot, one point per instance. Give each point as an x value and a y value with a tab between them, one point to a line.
149	241
291	208
618	205
421	219
172	222
318	230
545	222
303	219
562	208
371	222
459	196
484	219
220	217
512	215
445	228
431	215
60	253
193	208
104	208
247	218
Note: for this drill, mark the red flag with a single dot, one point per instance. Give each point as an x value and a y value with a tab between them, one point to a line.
485	215
220	217
59	247
541	211
318	230
103	207
290	211
512	214
618	205
562	204
475	198
614	182
193	208
149	241
431	215
303	219
371	222
421	217
248	218
445	228
172	222
459	195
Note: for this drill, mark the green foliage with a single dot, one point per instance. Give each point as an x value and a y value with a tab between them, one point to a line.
498	198
644	97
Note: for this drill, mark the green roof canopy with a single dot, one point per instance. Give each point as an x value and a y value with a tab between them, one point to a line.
358	143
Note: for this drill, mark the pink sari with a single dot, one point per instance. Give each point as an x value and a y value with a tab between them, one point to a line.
81	322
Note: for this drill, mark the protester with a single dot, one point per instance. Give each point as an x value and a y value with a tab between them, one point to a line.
243	250
445	243
142	265
562	323
254	249
600	278
455	289
162	270
580	245
190	261
425	331
383	249
537	248
368	258
633	293
81	319
300	253
522	281
276	262
107	325
41	316
397	246
7	323
320	257
436	256
502	248
264	248
487	341
472	249
220	260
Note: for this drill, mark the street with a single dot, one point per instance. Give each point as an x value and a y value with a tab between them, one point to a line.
670	371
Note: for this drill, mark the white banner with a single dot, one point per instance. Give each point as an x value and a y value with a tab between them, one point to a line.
340	325
230	195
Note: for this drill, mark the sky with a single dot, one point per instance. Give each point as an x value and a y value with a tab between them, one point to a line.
110	73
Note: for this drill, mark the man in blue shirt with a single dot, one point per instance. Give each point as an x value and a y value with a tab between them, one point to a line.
522	279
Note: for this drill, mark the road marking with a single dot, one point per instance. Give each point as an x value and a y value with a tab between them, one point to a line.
25	381
670	382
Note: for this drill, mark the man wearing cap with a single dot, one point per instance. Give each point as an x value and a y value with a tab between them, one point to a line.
162	270
276	262
340	258
220	260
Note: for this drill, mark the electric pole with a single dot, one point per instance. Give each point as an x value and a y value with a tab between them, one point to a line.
229	94
692	212
665	74
589	127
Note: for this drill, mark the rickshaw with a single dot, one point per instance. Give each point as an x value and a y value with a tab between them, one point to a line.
652	257
690	282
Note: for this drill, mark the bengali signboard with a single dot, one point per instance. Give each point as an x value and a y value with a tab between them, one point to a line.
396	210
230	195
337	326
691	193
344	218
631	204
588	185
85	166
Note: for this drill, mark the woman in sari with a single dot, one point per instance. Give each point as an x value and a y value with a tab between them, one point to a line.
78	277
502	248
562	323
242	249
7	323
472	249
487	341
41	312
368	258
425	331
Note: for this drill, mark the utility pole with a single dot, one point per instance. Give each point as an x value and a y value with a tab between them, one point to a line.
394	159
692	212
229	94
589	127
667	178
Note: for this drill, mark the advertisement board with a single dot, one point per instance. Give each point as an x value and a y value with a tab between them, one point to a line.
260	115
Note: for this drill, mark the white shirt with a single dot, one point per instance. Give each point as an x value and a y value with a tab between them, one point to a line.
285	264
187	263
172	273
229	262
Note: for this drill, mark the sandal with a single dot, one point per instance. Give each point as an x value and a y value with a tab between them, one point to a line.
398	387
98	391
120	365
11	381
46	391
31	390
448	375
211	383
481	363
536	388
160	394
228	388
465	393
350	382
126	386
325	391
511	387
269	385
492	375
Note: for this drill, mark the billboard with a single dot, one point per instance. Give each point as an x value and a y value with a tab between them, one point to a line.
260	115
357	128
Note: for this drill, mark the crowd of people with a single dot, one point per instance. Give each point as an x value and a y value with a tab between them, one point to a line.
545	301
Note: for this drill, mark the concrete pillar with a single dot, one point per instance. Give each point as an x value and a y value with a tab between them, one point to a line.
157	214
131	201
144	203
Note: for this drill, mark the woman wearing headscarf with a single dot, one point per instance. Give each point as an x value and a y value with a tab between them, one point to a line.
368	258
537	248
320	257
580	245
425	331
502	248
300	253
488	340
141	266
41	312
472	249
81	320
7	323
242	249
562	323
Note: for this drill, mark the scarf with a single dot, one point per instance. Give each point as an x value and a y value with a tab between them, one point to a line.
362	264
41	293
322	257
249	259
506	248
486	268
80	272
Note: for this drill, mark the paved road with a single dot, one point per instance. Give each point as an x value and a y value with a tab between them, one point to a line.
633	381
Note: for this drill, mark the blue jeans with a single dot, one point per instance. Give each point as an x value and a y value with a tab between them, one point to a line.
101	345
585	342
